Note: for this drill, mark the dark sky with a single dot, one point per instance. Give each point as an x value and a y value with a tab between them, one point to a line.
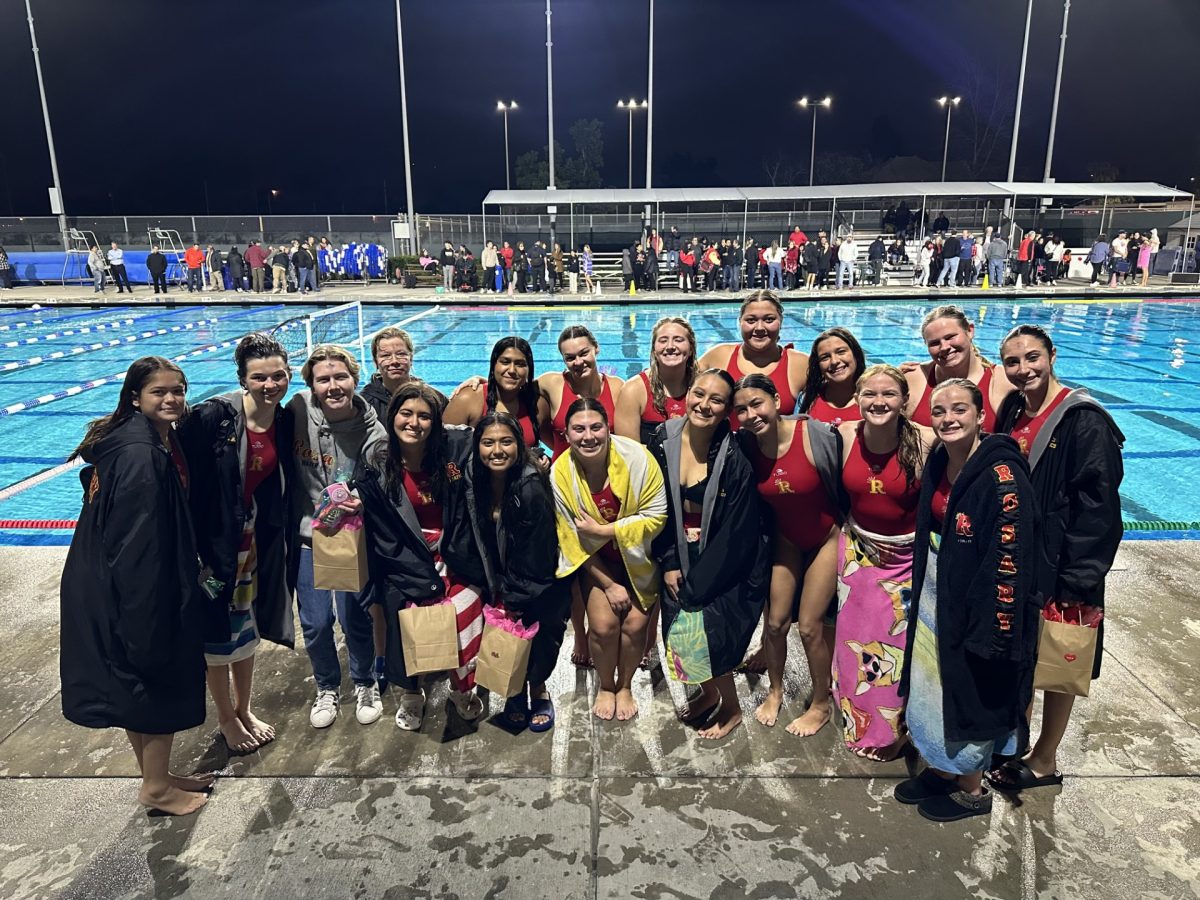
150	99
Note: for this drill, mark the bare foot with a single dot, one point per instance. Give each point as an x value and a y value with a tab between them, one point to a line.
172	801
768	710
259	730
605	706
756	662
882	754
812	720
627	707
237	738
193	782
724	723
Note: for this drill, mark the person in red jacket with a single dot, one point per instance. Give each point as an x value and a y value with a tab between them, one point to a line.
256	258
1025	259
194	258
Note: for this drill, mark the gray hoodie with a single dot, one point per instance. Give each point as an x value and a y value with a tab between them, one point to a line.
327	452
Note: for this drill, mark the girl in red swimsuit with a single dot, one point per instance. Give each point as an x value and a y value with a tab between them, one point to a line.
795	463
658	393
760	320
882	458
511	389
949	335
836	362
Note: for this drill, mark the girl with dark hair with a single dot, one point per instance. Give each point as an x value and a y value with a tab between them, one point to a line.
239	447
882	458
714	553
760	320
659	392
513	511
420	541
511	389
610	504
1074	450
796	464
836	362
972	623
949	335
133	616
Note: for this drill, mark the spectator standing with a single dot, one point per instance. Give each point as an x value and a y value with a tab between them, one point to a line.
279	269
847	257
303	260
1025	259
116	266
627	270
810	256
586	264
256	259
156	266
638	257
687	269
672	244
1098	258
651	274
824	260
237	269
966	259
572	264
1155	245
6	276
97	264
791	266
490	260
215	266
537	266
875	255
1132	251
1118	258
193	258
506	258
446	260
557	268
750	255
941	223
774	257
727	265
1145	251
950	249
925	261
997	256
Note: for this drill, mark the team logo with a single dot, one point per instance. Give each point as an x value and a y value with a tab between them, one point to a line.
1004	593
875	486
963	526
453	472
1004	473
1009	502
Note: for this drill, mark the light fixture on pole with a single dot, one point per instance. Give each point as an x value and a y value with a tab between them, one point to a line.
1062	52
949	103
631	105
501	106
805	103
56	201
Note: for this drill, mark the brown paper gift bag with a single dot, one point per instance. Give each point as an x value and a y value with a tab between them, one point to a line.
429	638
340	558
1066	652
502	662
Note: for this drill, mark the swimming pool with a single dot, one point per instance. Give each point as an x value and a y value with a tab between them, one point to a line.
1135	357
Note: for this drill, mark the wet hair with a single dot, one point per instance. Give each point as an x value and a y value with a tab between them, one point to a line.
390	333
257	345
966	384
816	379
389	457
527	395
908	451
1037	332
577	331
586	404
953	312
329	353
137	376
756	381
761	296
658	392
722	375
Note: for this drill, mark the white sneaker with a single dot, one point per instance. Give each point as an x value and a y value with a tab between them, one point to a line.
368	706
411	711
324	709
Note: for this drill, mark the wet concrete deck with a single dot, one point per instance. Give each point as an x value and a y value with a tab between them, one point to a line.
600	809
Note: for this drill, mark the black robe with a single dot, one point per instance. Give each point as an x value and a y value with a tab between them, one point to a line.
214	439
1077	472
988	605
133	615
731	575
520	553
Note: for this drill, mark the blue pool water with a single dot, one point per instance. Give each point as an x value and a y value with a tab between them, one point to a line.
1135	357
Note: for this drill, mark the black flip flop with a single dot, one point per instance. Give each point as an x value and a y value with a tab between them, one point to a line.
696	719
1019	777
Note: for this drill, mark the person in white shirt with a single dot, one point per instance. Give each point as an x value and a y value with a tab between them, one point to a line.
847	257
116	267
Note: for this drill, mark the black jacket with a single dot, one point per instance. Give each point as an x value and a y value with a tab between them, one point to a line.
671	241
951	247
302	259
156	263
812	255
280	259
1077	472
988	605
876	250
132	615
729	579
237	265
213	437
378	397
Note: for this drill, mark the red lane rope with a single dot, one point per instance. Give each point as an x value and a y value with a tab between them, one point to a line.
34	524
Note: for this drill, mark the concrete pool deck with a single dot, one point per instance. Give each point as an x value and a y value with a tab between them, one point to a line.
594	809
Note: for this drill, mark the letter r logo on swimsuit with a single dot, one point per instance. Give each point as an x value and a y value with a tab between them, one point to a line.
875	486
962	525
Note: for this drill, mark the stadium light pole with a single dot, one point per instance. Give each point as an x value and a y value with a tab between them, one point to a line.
550	95
506	108
413	232
631	105
1012	152
649	109
37	64
805	103
949	103
1062	52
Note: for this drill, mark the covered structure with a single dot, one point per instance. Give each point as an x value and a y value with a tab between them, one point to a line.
1010	205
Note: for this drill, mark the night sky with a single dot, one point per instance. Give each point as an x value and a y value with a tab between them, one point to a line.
151	99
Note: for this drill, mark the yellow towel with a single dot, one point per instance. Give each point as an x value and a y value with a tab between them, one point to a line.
637	482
